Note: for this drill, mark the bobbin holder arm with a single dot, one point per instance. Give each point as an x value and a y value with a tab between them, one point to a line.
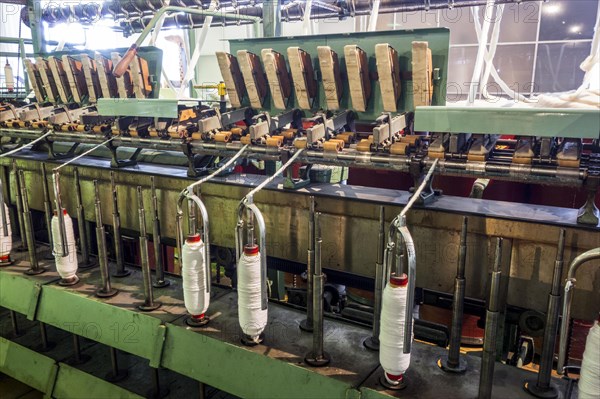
61	217
592	254
399	229
247	206
194	199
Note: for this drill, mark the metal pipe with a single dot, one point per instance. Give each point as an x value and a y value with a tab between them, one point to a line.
543	387
46	345
19	201
106	290
115	374
159	261
116	226
15	324
47	204
453	361
372	342
149	303
34	267
307	324
318	357
247	206
486	379
82	224
592	254
123	65
3	216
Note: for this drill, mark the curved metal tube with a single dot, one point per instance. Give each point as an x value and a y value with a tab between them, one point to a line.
188	193
247	204
398	226
592	254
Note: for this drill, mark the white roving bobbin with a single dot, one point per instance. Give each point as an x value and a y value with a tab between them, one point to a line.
589	380
391	337
66	266
253	319
193	274
5	241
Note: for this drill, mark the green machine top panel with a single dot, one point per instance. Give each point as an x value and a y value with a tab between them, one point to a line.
545	122
438	40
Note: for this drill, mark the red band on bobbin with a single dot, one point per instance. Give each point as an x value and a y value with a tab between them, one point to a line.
4	258
198	317
192	238
250	249
399	281
397	378
64	212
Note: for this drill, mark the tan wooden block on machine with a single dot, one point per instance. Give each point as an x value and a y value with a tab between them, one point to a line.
388	70
254	77
278	77
357	68
303	76
422	71
330	75
232	76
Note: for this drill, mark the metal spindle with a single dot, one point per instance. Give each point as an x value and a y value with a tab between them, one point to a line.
86	262
149	302
116	226
372	342
159	260
106	291
307	324
35	267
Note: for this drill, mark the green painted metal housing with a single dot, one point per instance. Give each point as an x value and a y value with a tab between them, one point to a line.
543	122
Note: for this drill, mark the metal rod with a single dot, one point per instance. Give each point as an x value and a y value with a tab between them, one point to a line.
318	291
318	357
4	218
486	379
15	323
373	341
568	299
14	151
116	226
76	349
47	204
543	385
44	337
29	233
106	290
19	201
149	303
453	363
159	260
81	222
307	324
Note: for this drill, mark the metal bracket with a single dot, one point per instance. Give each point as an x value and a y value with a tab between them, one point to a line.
115	162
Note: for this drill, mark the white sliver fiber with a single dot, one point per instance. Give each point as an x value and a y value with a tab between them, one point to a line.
589	380
193	274
391	338
252	318
66	266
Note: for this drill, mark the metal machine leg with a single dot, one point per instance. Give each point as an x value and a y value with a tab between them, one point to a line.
318	357
45	345
307	324
372	342
35	267
15	324
543	388
78	357
453	362
159	260
86	262
106	291
157	391
115	374
486	379
116	225
149	303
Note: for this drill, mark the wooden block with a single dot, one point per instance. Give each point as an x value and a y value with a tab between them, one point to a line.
34	79
388	70
303	76
60	79
422	69
108	83
357	68
232	77
47	80
330	74
278	77
254	77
